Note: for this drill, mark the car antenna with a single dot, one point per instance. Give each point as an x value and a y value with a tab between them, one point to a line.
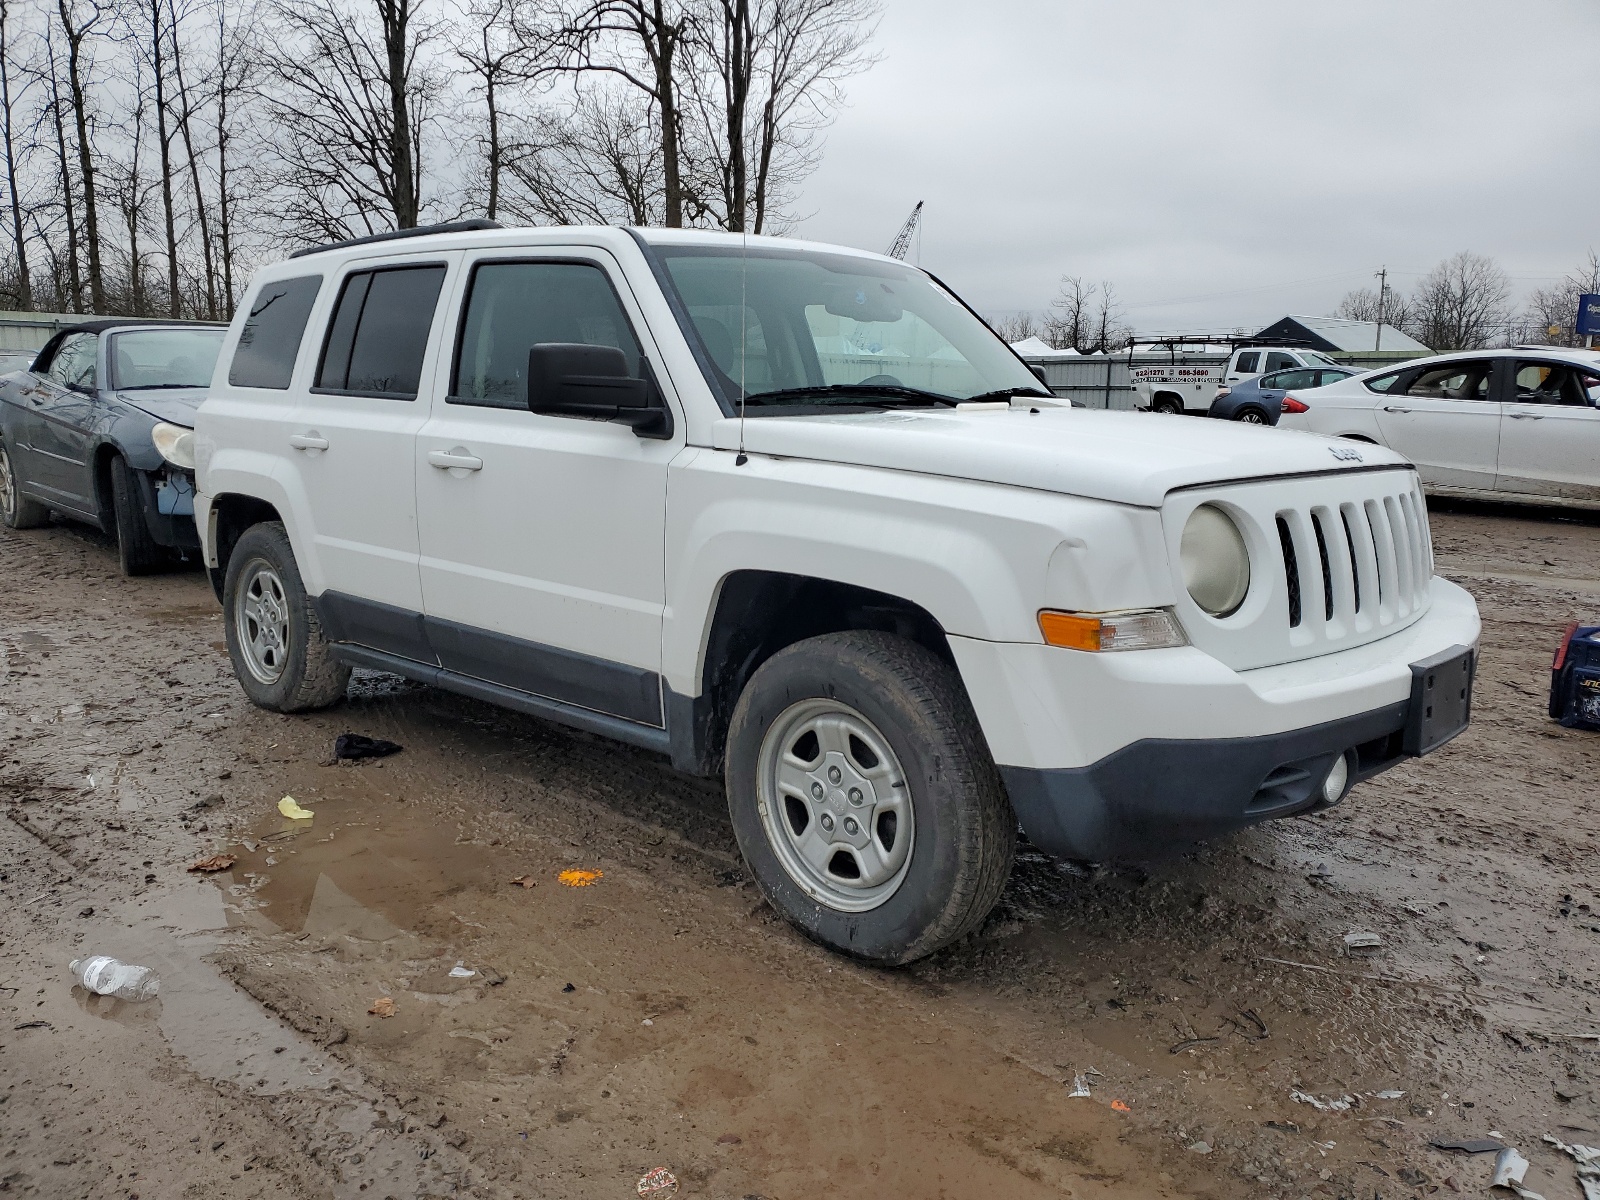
744	269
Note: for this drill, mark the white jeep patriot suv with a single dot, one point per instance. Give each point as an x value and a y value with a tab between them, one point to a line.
793	515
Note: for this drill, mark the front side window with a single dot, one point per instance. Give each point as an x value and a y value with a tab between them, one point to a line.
163	358
74	363
1548	383
792	328
270	338
1247	362
379	332
1453	381
513	306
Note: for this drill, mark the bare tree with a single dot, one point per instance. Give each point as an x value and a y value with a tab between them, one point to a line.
185	117
642	42
72	277
1551	313
350	104
768	77
7	45
1362	305
1068	324
508	49
595	162
1014	327
1462	304
79	20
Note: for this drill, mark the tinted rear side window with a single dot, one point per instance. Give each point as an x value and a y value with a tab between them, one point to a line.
1247	363
514	306
379	332
271	335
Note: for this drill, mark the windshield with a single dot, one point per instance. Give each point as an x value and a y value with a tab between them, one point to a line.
163	358
806	328
1311	356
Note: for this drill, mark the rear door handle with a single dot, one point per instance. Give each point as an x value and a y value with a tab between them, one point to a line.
1522	416
457	459
1395	408
307	441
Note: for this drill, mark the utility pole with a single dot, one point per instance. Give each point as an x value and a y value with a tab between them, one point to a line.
1383	289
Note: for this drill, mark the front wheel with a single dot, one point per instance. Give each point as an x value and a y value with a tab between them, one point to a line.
864	798
279	654
17	510
138	552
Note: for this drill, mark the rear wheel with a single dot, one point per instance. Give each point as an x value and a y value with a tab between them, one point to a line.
17	510
1252	416
279	654
139	553
864	798
1170	405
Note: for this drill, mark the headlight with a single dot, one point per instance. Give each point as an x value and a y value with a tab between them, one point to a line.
175	443
1216	563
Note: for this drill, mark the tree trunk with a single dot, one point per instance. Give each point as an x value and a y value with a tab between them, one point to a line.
490	70
74	271
396	17
164	147
201	216
663	44
737	14
224	208
80	117
24	282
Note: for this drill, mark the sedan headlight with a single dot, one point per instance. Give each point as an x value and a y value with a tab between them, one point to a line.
175	444
1216	562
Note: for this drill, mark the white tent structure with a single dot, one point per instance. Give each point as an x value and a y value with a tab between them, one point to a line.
1032	347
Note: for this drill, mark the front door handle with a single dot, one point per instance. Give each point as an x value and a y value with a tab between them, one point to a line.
308	441
1522	416
454	460
1395	408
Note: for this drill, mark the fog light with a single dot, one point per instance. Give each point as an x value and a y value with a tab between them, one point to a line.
1338	779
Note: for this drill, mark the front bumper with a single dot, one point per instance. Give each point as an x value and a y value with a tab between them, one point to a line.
167	500
1111	756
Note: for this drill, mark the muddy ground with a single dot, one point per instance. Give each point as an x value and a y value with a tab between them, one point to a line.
663	1017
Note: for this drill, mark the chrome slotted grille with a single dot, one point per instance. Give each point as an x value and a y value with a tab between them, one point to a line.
1342	559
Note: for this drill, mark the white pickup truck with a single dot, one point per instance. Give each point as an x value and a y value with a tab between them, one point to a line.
791	515
1187	380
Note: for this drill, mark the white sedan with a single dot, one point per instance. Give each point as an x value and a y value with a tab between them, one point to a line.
1520	424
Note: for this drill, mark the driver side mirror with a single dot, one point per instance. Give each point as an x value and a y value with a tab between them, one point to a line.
574	380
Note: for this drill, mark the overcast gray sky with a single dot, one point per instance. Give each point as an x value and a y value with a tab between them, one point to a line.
1226	162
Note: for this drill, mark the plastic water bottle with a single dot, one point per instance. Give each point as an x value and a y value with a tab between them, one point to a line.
105	975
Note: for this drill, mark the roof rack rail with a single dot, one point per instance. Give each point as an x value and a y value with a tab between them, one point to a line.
447	227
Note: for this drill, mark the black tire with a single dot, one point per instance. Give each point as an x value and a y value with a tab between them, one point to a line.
1170	405
139	553
16	510
1250	415
964	833
309	677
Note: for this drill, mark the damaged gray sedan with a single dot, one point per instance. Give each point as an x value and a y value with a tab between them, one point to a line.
99	430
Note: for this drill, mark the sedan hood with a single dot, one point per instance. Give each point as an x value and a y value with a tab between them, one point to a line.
1124	457
176	405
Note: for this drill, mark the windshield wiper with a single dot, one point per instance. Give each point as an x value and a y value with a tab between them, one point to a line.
885	393
1007	393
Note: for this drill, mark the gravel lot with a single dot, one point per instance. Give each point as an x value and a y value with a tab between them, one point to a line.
664	1017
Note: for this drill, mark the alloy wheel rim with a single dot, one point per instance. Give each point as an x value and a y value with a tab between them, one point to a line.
261	621
1251	418
835	805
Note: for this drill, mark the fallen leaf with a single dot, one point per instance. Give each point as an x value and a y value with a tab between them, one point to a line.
581	878
1121	1106
383	1006
292	810
525	881
217	862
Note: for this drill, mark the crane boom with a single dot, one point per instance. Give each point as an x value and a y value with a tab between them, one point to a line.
902	241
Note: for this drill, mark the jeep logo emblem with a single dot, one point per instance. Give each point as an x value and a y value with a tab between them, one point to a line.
1345	454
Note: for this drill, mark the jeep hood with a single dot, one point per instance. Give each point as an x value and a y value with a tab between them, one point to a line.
1124	457
176	405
